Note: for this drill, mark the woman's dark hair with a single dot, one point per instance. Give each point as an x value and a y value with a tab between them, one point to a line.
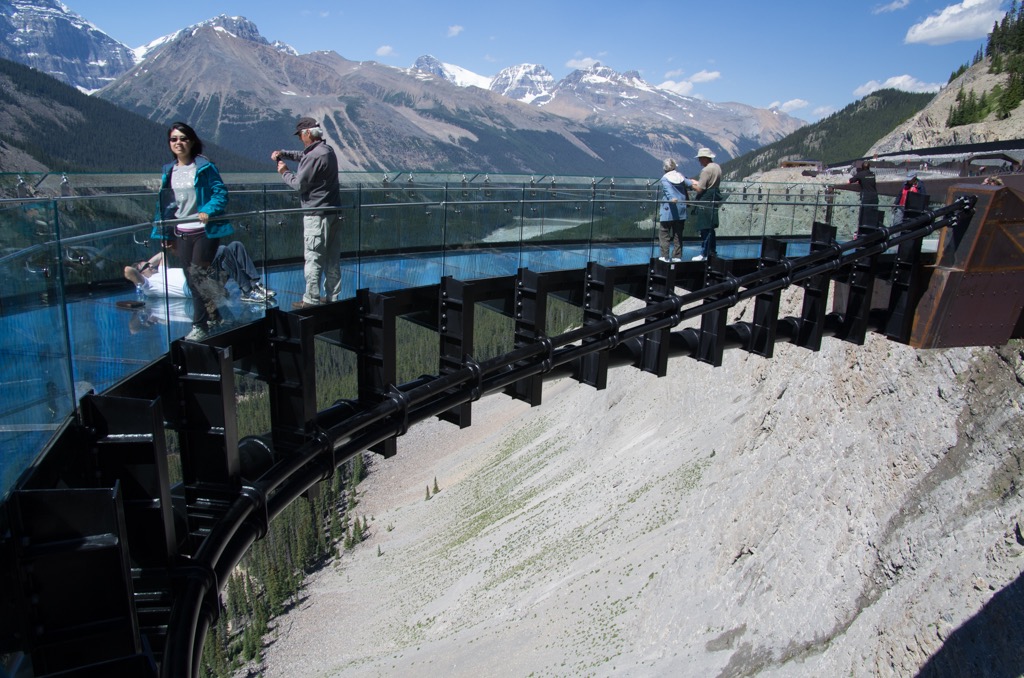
196	147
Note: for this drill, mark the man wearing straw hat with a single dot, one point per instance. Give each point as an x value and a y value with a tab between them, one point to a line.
704	207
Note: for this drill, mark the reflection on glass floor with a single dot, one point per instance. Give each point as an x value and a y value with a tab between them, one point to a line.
107	343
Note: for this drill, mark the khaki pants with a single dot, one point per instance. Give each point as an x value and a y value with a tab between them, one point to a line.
322	243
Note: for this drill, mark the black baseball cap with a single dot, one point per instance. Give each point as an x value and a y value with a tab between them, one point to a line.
305	123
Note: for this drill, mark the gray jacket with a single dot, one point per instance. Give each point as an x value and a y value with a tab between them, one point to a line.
316	178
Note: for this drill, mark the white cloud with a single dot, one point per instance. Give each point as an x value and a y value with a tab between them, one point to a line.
681	87
454	31
906	83
891	7
789	106
685	86
705	76
966	20
385	50
823	112
582	63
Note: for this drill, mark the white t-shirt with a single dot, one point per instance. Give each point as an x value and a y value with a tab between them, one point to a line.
175	284
183	183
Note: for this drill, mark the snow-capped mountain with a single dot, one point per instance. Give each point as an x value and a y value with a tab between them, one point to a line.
650	117
434	115
452	73
529	83
237	26
49	37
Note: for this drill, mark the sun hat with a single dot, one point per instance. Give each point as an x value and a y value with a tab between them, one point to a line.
705	153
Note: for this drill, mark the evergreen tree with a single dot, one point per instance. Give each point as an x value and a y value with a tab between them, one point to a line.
235	593
335	530
358	472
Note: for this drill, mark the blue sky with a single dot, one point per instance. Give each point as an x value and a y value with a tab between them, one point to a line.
809	58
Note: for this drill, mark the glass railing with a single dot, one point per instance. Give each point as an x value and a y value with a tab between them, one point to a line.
71	323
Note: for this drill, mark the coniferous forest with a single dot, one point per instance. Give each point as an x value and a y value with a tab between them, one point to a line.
106	138
1005	49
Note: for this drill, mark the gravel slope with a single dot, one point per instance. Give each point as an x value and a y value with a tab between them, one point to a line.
855	511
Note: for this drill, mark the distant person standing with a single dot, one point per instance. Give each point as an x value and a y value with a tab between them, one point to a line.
708	197
192	190
865	178
316	180
672	213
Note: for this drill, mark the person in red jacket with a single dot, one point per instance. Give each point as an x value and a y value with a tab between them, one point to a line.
911	185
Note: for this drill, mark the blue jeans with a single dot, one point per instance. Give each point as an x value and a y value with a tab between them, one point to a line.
235	261
707	242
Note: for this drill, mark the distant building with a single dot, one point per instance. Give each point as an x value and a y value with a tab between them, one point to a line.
806	164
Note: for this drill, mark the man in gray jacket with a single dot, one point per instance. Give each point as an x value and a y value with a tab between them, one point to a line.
316	180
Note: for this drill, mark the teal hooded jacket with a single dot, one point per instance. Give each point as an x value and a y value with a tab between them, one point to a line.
211	197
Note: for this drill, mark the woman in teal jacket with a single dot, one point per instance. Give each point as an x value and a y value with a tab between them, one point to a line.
192	194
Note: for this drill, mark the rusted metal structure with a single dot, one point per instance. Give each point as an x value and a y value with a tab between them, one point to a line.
974	293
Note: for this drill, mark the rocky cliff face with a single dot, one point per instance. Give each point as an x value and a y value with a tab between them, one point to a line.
45	35
852	512
928	128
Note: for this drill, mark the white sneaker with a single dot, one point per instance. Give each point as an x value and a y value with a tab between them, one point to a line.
699	257
665	259
676	259
198	333
257	295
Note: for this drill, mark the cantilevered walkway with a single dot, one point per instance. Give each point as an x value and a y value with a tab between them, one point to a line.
114	570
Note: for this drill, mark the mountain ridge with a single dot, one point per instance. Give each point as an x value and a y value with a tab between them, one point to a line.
613	137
